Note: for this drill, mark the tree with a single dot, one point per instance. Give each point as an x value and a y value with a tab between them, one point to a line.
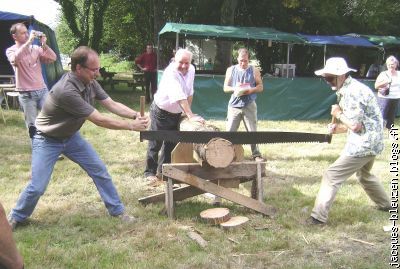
85	20
223	58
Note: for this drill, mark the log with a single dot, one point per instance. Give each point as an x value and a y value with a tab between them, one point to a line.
234	222
218	152
215	216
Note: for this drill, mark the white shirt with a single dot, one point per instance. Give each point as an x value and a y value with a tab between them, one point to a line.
394	92
174	87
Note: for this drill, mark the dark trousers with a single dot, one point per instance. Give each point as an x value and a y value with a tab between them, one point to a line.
150	81
160	120
388	110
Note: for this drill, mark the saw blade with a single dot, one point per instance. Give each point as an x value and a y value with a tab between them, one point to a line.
241	138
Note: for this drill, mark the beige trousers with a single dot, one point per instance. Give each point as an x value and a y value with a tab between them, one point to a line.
337	173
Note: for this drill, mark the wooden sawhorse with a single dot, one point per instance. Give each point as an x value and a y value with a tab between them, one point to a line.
212	180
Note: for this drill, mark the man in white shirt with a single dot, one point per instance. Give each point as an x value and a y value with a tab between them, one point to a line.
173	97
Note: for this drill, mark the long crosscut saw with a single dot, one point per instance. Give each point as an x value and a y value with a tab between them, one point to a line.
238	138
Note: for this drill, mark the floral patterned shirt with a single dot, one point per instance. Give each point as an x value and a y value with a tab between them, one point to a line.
359	104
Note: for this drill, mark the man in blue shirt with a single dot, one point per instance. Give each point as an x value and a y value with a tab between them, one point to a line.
244	82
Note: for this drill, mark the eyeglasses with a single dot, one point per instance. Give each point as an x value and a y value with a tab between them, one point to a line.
94	70
330	78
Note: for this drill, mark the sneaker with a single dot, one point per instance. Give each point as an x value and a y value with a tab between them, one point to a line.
126	218
13	222
387	208
259	159
314	221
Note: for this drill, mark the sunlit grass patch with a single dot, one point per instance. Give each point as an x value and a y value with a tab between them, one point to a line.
70	228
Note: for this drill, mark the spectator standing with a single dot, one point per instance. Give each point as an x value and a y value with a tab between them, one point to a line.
26	60
388	86
147	62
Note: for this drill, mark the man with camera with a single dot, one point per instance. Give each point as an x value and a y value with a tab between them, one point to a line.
26	60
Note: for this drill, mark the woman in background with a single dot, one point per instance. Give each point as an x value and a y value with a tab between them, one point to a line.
388	86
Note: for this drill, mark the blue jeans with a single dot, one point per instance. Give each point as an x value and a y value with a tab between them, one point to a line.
45	152
160	120
31	103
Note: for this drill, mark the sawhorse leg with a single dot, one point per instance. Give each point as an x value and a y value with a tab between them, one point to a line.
169	198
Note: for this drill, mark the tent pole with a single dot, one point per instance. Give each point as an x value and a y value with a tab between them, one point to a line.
158	53
287	60
177	42
324	55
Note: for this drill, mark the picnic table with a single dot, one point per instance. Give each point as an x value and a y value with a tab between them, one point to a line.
112	78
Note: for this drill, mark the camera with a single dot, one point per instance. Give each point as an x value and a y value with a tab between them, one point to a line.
38	34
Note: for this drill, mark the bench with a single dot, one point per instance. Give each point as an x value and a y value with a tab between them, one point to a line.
130	83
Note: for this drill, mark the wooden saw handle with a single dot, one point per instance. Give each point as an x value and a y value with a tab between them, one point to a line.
142	102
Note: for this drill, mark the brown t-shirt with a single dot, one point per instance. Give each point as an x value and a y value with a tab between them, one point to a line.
67	106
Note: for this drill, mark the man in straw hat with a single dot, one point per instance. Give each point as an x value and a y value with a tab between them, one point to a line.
357	114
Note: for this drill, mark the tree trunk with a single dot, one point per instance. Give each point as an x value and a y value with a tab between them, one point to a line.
99	8
218	152
159	18
223	58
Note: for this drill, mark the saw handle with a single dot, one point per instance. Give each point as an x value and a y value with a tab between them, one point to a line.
333	121
142	102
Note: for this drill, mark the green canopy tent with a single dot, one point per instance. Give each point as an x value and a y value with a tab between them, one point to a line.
299	98
233	33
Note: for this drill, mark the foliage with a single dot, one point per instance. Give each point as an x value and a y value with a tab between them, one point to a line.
85	20
70	227
130	25
66	41
114	63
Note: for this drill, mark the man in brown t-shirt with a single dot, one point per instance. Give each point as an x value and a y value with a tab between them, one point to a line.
68	105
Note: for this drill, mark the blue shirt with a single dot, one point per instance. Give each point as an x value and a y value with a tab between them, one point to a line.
238	77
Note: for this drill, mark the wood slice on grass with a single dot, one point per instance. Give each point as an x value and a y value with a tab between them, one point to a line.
234	222
215	216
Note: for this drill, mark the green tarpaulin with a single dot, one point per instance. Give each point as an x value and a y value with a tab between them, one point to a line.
228	32
282	99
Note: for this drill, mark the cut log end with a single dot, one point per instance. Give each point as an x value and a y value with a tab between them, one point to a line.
234	222
215	216
219	153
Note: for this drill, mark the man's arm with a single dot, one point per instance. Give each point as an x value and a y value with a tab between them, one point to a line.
9	255
139	62
259	84
119	109
47	55
227	81
15	56
139	124
382	80
185	105
337	112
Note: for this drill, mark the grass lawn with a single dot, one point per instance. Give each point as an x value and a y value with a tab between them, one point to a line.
70	227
